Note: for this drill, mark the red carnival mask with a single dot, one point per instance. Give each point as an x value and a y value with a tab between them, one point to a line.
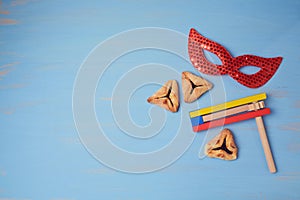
230	65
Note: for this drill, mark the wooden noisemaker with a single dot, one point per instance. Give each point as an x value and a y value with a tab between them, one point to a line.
235	111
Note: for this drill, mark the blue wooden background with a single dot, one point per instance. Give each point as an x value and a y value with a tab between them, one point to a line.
42	45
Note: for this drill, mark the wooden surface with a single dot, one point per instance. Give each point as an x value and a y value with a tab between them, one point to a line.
44	43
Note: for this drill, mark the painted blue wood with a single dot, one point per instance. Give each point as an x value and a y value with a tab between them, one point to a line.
196	120
43	44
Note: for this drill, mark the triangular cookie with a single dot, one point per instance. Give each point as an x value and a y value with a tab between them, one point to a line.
167	96
193	86
222	146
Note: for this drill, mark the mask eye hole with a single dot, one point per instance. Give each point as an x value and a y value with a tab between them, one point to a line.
249	70
212	57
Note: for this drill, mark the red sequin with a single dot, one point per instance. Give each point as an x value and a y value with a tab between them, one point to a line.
230	65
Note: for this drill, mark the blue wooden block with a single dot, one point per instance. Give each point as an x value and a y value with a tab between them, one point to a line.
197	120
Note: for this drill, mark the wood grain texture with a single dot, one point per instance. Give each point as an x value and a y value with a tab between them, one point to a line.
44	43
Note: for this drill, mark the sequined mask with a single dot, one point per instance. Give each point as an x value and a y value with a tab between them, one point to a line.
230	65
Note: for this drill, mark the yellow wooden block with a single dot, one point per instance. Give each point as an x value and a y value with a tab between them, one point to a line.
230	104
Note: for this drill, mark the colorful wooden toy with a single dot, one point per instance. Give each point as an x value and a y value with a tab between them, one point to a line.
235	111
